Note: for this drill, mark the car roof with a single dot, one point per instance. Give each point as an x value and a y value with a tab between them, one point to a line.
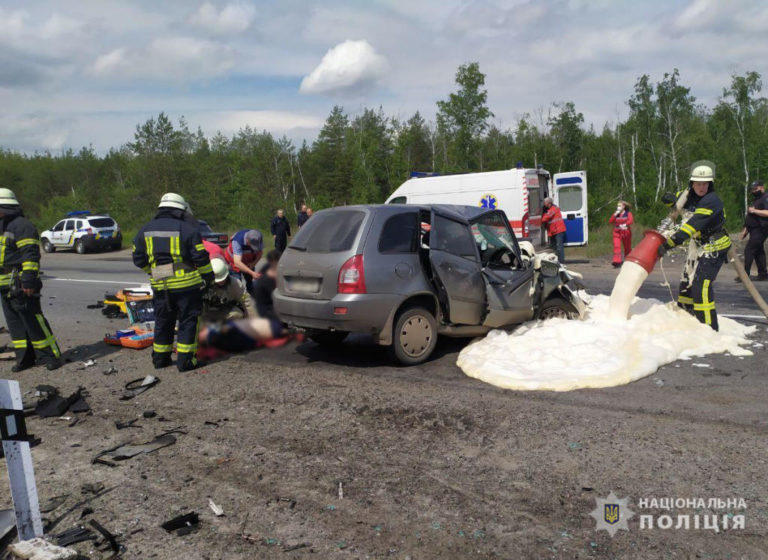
457	211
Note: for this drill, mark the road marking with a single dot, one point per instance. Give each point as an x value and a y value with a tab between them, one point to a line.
96	281
730	316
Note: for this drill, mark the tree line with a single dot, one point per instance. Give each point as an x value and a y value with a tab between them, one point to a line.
238	181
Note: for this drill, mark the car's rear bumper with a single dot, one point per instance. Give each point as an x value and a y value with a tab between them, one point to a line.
364	313
92	241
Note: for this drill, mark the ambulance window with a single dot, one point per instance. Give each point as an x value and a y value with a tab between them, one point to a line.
399	234
534	206
398	200
570	199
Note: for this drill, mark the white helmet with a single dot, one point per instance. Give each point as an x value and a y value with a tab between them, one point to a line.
173	200
703	173
7	198
220	269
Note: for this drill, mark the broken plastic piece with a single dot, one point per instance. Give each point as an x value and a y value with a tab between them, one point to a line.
138	386
217	510
187	522
126	451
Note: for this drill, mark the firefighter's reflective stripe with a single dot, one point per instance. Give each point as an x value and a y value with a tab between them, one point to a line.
705	306
690	230
19	343
161	348
718	245
206	268
49	340
30	265
200	247
5	280
183	277
29	241
685	300
185	348
704	211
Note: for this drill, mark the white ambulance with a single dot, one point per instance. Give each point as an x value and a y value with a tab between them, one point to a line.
519	192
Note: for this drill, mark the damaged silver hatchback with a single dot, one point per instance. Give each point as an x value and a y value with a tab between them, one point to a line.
407	273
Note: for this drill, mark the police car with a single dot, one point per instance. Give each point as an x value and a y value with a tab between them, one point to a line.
83	231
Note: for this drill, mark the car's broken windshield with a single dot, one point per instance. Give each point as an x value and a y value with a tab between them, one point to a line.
491	233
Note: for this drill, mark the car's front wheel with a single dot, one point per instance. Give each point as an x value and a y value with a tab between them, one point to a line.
557	308
414	336
47	245
79	247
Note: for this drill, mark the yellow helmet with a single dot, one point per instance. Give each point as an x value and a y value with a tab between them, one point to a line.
703	173
8	198
173	200
220	269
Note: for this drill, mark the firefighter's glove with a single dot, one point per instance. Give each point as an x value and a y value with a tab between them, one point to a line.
669	199
662	250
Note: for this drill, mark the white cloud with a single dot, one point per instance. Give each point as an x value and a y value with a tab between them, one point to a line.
171	58
348	67
34	132
232	18
273	121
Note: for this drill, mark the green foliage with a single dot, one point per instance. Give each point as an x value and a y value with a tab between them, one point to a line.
239	181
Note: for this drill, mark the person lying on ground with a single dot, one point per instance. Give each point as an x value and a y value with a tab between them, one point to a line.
241	335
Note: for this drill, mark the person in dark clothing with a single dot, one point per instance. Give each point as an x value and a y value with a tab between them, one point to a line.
20	288
756	227
265	285
303	216
281	230
169	248
705	230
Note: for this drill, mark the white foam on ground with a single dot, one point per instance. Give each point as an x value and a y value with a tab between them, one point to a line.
598	351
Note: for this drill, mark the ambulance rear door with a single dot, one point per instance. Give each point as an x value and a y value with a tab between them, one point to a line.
570	195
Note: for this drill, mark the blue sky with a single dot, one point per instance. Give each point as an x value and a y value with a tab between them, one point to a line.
86	72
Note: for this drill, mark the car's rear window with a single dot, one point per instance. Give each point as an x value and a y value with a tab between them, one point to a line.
101	222
329	232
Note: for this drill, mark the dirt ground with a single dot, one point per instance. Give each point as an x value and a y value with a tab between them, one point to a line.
341	454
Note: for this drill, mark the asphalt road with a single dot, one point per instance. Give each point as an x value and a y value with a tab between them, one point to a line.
433	464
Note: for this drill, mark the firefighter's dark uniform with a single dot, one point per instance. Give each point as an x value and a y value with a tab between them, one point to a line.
171	250
706	228
31	334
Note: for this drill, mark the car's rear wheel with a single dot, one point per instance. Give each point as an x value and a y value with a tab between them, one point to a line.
557	308
79	247
327	338
414	336
48	246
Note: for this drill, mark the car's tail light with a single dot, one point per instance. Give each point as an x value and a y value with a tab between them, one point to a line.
352	276
222	238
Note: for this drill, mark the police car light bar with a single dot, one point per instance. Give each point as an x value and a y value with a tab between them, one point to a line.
78	213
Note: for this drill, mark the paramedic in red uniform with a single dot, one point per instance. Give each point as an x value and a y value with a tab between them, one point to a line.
242	254
552	218
622	221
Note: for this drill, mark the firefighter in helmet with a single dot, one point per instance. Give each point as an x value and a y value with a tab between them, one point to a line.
169	248
709	243
20	287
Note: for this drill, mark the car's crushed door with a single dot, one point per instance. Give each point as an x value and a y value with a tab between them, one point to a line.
509	281
456	266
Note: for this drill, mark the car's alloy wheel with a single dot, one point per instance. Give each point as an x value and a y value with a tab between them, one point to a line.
79	247
557	308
